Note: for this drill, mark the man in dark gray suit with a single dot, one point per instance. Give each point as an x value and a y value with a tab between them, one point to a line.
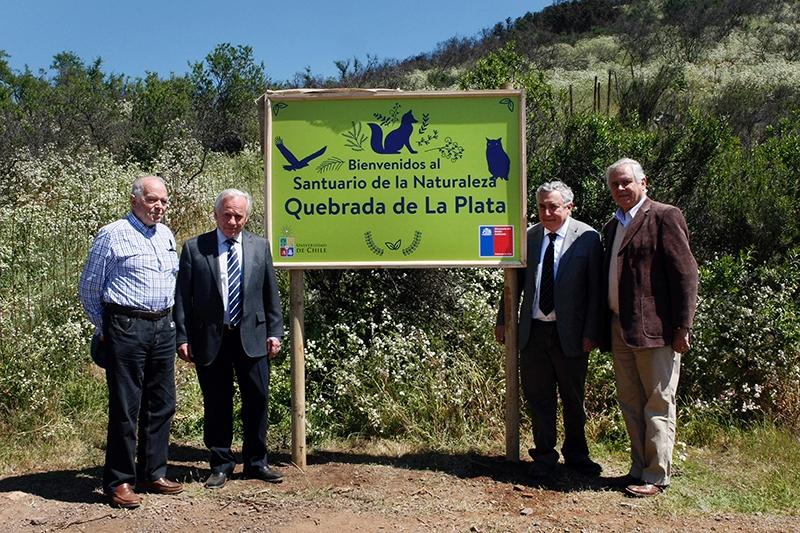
559	324
228	321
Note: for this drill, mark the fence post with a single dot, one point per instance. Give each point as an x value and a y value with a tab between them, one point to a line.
298	368
512	364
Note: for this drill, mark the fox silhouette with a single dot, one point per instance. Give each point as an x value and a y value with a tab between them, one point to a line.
497	159
396	139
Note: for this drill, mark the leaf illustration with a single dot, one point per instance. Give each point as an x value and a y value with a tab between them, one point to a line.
393	245
332	163
509	103
277	107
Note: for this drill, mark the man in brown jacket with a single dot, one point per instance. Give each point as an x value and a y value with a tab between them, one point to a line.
652	295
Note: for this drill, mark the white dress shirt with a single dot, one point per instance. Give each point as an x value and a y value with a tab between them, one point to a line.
558	244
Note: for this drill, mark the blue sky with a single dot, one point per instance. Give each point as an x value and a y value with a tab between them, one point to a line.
136	36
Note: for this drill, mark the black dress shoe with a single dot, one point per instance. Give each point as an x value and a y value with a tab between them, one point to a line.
216	480
540	470
585	466
264	473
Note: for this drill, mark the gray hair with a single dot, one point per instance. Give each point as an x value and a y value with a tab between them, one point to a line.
137	189
556	186
636	169
233	193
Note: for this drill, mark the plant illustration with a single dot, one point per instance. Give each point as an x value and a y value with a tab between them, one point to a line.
393	245
508	102
374	248
390	117
277	107
332	163
425	141
425	123
450	150
411	248
355	137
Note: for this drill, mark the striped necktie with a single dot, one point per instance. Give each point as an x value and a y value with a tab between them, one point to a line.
234	285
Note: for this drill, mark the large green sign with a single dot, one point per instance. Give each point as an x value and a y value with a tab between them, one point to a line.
357	178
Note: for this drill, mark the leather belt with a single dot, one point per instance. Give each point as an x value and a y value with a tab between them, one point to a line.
136	313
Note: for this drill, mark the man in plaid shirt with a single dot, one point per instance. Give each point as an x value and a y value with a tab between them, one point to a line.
127	289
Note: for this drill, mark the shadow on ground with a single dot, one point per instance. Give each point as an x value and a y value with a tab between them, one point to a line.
188	464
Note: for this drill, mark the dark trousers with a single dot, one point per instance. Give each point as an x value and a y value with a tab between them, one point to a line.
216	383
140	373
546	374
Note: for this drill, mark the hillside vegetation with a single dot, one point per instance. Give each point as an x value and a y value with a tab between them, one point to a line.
706	94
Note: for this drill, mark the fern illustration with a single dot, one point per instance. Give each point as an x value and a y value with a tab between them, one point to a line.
411	248
425	123
332	163
355	137
374	248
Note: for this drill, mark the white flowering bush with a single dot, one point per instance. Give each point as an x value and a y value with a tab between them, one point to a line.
52	204
382	367
745	360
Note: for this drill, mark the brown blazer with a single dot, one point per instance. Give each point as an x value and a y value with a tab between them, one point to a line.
657	276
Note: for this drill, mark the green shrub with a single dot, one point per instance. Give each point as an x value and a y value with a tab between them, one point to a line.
745	361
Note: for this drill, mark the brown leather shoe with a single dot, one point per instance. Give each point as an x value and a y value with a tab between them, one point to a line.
644	490
160	486
123	496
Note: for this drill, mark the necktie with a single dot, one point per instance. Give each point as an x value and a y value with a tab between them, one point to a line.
547	282
234	285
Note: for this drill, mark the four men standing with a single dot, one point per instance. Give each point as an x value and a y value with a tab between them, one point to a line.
228	322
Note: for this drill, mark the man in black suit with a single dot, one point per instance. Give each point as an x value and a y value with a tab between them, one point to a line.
228	321
559	324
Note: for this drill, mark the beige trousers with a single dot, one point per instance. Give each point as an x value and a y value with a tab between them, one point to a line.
647	379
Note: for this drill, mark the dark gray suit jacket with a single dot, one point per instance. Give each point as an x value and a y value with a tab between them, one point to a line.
577	291
198	300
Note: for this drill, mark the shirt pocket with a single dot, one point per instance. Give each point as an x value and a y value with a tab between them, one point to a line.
171	261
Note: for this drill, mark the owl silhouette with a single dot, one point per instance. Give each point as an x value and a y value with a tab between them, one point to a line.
497	159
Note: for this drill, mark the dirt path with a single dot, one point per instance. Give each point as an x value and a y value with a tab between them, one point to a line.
352	492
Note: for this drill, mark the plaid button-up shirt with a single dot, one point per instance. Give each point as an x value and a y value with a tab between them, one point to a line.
130	264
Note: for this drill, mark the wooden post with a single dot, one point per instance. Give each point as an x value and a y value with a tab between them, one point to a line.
298	368
608	94
512	364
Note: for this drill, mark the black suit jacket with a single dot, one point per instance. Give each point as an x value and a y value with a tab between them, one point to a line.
199	311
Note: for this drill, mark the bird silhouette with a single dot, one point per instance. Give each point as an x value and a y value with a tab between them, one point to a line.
294	163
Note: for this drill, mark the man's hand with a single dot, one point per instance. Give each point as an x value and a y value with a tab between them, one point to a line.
185	352
500	334
680	342
273	346
588	345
